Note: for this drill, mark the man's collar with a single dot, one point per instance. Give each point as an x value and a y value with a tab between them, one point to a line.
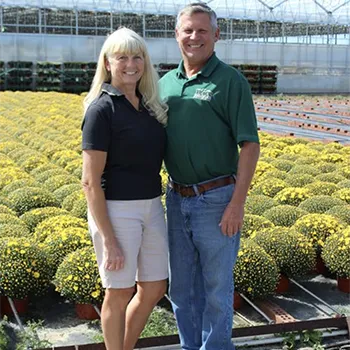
205	71
110	90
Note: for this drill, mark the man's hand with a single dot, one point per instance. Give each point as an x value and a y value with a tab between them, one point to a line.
232	219
113	256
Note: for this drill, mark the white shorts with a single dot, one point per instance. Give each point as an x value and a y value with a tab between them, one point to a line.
139	226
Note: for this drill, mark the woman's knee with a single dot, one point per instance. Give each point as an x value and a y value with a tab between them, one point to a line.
118	298
152	291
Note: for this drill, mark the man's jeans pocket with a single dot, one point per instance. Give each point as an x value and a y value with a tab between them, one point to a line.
218	196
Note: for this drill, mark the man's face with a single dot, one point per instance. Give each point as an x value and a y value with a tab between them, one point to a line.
196	38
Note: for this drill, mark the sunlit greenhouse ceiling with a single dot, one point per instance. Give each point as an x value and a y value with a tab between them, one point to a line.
305	11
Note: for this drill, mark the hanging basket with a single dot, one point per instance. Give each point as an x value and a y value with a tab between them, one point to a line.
21	306
283	284
86	312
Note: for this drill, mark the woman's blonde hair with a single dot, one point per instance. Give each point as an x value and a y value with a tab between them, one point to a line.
128	42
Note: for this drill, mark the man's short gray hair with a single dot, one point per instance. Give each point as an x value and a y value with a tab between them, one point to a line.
198	7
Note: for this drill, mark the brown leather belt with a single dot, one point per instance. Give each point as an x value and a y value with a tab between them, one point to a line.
189	191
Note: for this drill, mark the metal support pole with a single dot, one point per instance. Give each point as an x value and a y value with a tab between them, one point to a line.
1	20
111	21
76	22
40	20
144	26
97	310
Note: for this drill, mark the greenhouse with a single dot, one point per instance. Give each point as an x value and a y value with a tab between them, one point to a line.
308	40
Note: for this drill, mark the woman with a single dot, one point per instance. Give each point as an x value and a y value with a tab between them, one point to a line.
123	148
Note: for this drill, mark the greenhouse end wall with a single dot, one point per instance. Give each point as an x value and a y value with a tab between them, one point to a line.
302	68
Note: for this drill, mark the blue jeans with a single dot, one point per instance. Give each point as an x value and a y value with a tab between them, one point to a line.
201	263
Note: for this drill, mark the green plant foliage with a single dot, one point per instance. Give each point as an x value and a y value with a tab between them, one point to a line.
298	180
8	146
4	338
304	161
292	251
269	187
80	208
53	225
10	219
284	215
55	182
62	158
11	174
336	253
255	273
15	185
6	210
345	171
24	268
43	168
257	204
27	198
78	172
42	177
305	169
292	196
74	164
283	165
320	204
326	167
287	156
343	194
29	339
332	157
344	184
35	216
64	191
69	201
32	162
319	188
317	227
77	277
13	230
334	177
253	224
341	212
160	323
5	201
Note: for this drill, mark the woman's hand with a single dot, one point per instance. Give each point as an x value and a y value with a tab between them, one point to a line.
113	255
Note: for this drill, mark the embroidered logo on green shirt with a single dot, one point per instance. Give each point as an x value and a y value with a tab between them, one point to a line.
203	94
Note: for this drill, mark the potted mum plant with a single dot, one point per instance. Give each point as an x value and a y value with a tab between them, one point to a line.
336	255
255	273
293	252
78	280
24	269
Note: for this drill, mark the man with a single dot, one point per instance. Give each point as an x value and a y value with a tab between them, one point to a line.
210	113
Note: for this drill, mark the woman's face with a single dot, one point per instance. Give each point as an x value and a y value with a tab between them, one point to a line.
126	70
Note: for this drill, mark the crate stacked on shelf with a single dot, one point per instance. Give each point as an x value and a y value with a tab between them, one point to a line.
2	76
268	79
252	73
77	76
164	68
48	76
19	76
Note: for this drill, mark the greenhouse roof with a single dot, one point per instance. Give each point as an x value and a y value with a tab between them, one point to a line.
308	11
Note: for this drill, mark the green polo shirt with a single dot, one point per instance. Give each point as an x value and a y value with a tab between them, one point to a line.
209	115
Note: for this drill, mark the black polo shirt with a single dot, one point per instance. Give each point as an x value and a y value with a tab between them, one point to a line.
134	141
